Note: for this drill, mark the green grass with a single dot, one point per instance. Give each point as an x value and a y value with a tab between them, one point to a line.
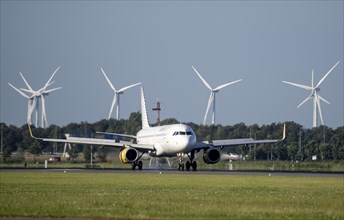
169	196
308	166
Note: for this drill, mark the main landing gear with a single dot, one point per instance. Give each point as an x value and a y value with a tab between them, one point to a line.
189	164
137	164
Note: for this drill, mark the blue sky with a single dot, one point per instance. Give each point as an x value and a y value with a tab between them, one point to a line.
156	43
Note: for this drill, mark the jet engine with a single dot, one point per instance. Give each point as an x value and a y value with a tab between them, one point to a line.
128	155
211	156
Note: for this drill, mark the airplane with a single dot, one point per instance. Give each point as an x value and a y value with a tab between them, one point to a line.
176	140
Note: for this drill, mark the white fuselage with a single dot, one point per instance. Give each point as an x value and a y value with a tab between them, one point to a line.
168	140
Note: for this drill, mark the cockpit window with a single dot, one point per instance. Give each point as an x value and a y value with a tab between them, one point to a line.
182	133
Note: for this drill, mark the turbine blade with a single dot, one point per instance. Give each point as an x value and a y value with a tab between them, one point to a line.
128	87
44	114
20	92
40	91
319	108
51	83
328	73
27	90
51	77
313	78
27	84
210	101
107	79
51	90
299	85
203	80
33	105
322	99
306	99
113	104
225	85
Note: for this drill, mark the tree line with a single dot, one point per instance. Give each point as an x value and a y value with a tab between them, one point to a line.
300	144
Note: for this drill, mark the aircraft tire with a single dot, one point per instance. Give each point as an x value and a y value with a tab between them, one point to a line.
139	165
194	166
181	167
187	165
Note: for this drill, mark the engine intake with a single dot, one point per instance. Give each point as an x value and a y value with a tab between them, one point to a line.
211	156
128	155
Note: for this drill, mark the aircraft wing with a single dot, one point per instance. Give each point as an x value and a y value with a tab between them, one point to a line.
115	134
233	142
97	141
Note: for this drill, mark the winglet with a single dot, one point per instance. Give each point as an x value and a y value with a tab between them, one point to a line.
30	131
283	132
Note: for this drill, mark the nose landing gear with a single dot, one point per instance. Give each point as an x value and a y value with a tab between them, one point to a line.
192	165
181	167
188	164
181	164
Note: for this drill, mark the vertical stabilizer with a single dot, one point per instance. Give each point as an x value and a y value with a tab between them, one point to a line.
145	122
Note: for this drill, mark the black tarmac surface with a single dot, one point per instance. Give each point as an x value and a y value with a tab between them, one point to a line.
172	171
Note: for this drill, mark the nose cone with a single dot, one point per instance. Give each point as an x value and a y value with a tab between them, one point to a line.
186	143
185	139
189	142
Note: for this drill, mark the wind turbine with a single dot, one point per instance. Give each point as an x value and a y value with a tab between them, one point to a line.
117	94
29	103
212	95
33	100
314	95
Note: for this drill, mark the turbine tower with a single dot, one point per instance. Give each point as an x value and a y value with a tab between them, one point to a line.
314	95
116	96
33	99
212	95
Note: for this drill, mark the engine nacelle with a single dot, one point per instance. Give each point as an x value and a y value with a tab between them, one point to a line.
211	156
128	155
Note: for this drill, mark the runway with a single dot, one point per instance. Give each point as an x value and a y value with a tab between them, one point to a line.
174	172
